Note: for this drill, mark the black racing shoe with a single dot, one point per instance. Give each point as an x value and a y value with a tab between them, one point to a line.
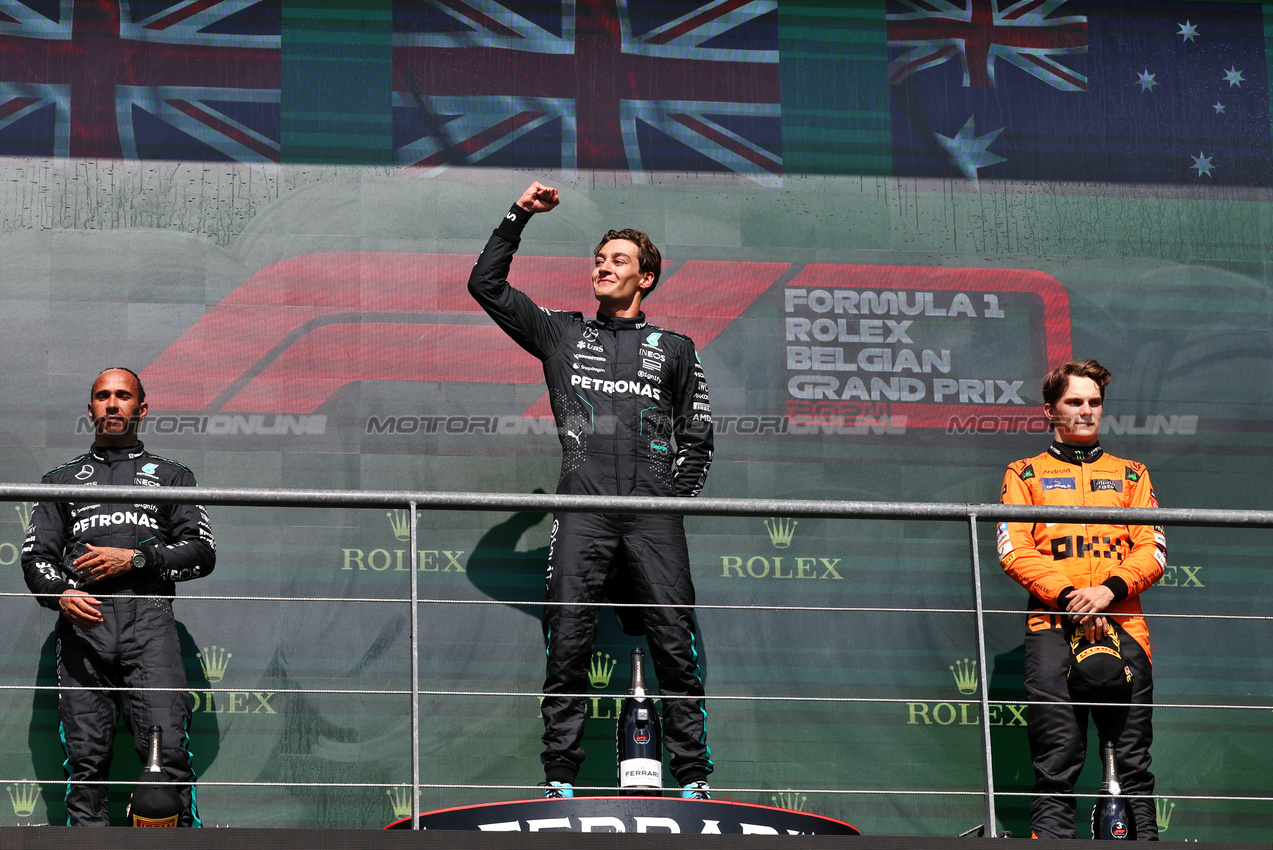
699	790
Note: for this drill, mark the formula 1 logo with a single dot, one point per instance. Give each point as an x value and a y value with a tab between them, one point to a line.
298	331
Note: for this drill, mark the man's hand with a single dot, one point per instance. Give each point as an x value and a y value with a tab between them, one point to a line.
538	198
1085	604
102	562
80	608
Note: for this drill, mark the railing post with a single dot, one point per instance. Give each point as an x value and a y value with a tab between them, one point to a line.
983	677
415	672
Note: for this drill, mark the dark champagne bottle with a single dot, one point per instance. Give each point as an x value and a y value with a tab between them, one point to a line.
153	764
640	738
1111	817
152	804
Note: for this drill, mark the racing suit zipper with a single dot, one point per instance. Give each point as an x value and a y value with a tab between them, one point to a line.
622	366
1086	487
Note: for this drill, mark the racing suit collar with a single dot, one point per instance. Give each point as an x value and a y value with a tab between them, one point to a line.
117	454
1075	454
620	323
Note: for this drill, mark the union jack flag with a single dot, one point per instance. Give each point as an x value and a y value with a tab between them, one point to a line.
980	32
134	78
590	84
35	119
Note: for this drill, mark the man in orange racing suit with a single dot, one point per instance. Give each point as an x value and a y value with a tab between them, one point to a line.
1091	575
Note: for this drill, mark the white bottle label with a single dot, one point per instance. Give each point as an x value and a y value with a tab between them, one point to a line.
640	773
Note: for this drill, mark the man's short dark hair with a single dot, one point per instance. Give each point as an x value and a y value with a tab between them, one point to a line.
1058	379
141	391
649	260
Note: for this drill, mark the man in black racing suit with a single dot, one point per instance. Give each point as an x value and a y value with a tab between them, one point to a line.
110	570
634	419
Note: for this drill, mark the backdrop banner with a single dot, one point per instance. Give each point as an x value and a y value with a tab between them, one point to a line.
872	338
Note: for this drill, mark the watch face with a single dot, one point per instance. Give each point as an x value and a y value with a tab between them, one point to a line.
139	560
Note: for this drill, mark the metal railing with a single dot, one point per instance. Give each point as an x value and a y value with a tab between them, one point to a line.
414	501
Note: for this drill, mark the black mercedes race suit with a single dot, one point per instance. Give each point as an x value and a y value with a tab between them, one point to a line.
136	646
634	419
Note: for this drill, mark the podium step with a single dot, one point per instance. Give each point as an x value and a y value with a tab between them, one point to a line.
666	815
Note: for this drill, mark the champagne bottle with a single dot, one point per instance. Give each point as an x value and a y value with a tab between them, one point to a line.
153	764
152	804
639	738
1111	817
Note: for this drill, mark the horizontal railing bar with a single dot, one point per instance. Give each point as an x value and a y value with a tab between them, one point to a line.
698	606
661	697
467	501
447	786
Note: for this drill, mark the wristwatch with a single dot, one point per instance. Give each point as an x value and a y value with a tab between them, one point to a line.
138	560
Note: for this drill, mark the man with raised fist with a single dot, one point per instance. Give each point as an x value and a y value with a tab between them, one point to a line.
634	419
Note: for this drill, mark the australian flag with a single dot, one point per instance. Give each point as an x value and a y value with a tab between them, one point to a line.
630	85
190	80
1123	92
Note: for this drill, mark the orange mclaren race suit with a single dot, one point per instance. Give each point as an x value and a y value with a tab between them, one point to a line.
1052	559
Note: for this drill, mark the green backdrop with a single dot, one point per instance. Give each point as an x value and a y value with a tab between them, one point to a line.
315	333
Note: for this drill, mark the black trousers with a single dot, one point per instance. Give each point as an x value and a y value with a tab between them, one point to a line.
1058	735
136	646
585	550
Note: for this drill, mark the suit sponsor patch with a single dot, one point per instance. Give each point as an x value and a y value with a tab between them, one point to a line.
1003	541
1112	484
615	387
1058	484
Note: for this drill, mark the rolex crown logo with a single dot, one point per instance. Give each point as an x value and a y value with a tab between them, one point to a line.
600	669
24	512
24	796
965	673
214	660
400	799
781	530
400	522
790	800
1162	811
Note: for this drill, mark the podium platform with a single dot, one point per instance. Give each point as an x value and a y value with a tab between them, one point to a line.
124	838
638	815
